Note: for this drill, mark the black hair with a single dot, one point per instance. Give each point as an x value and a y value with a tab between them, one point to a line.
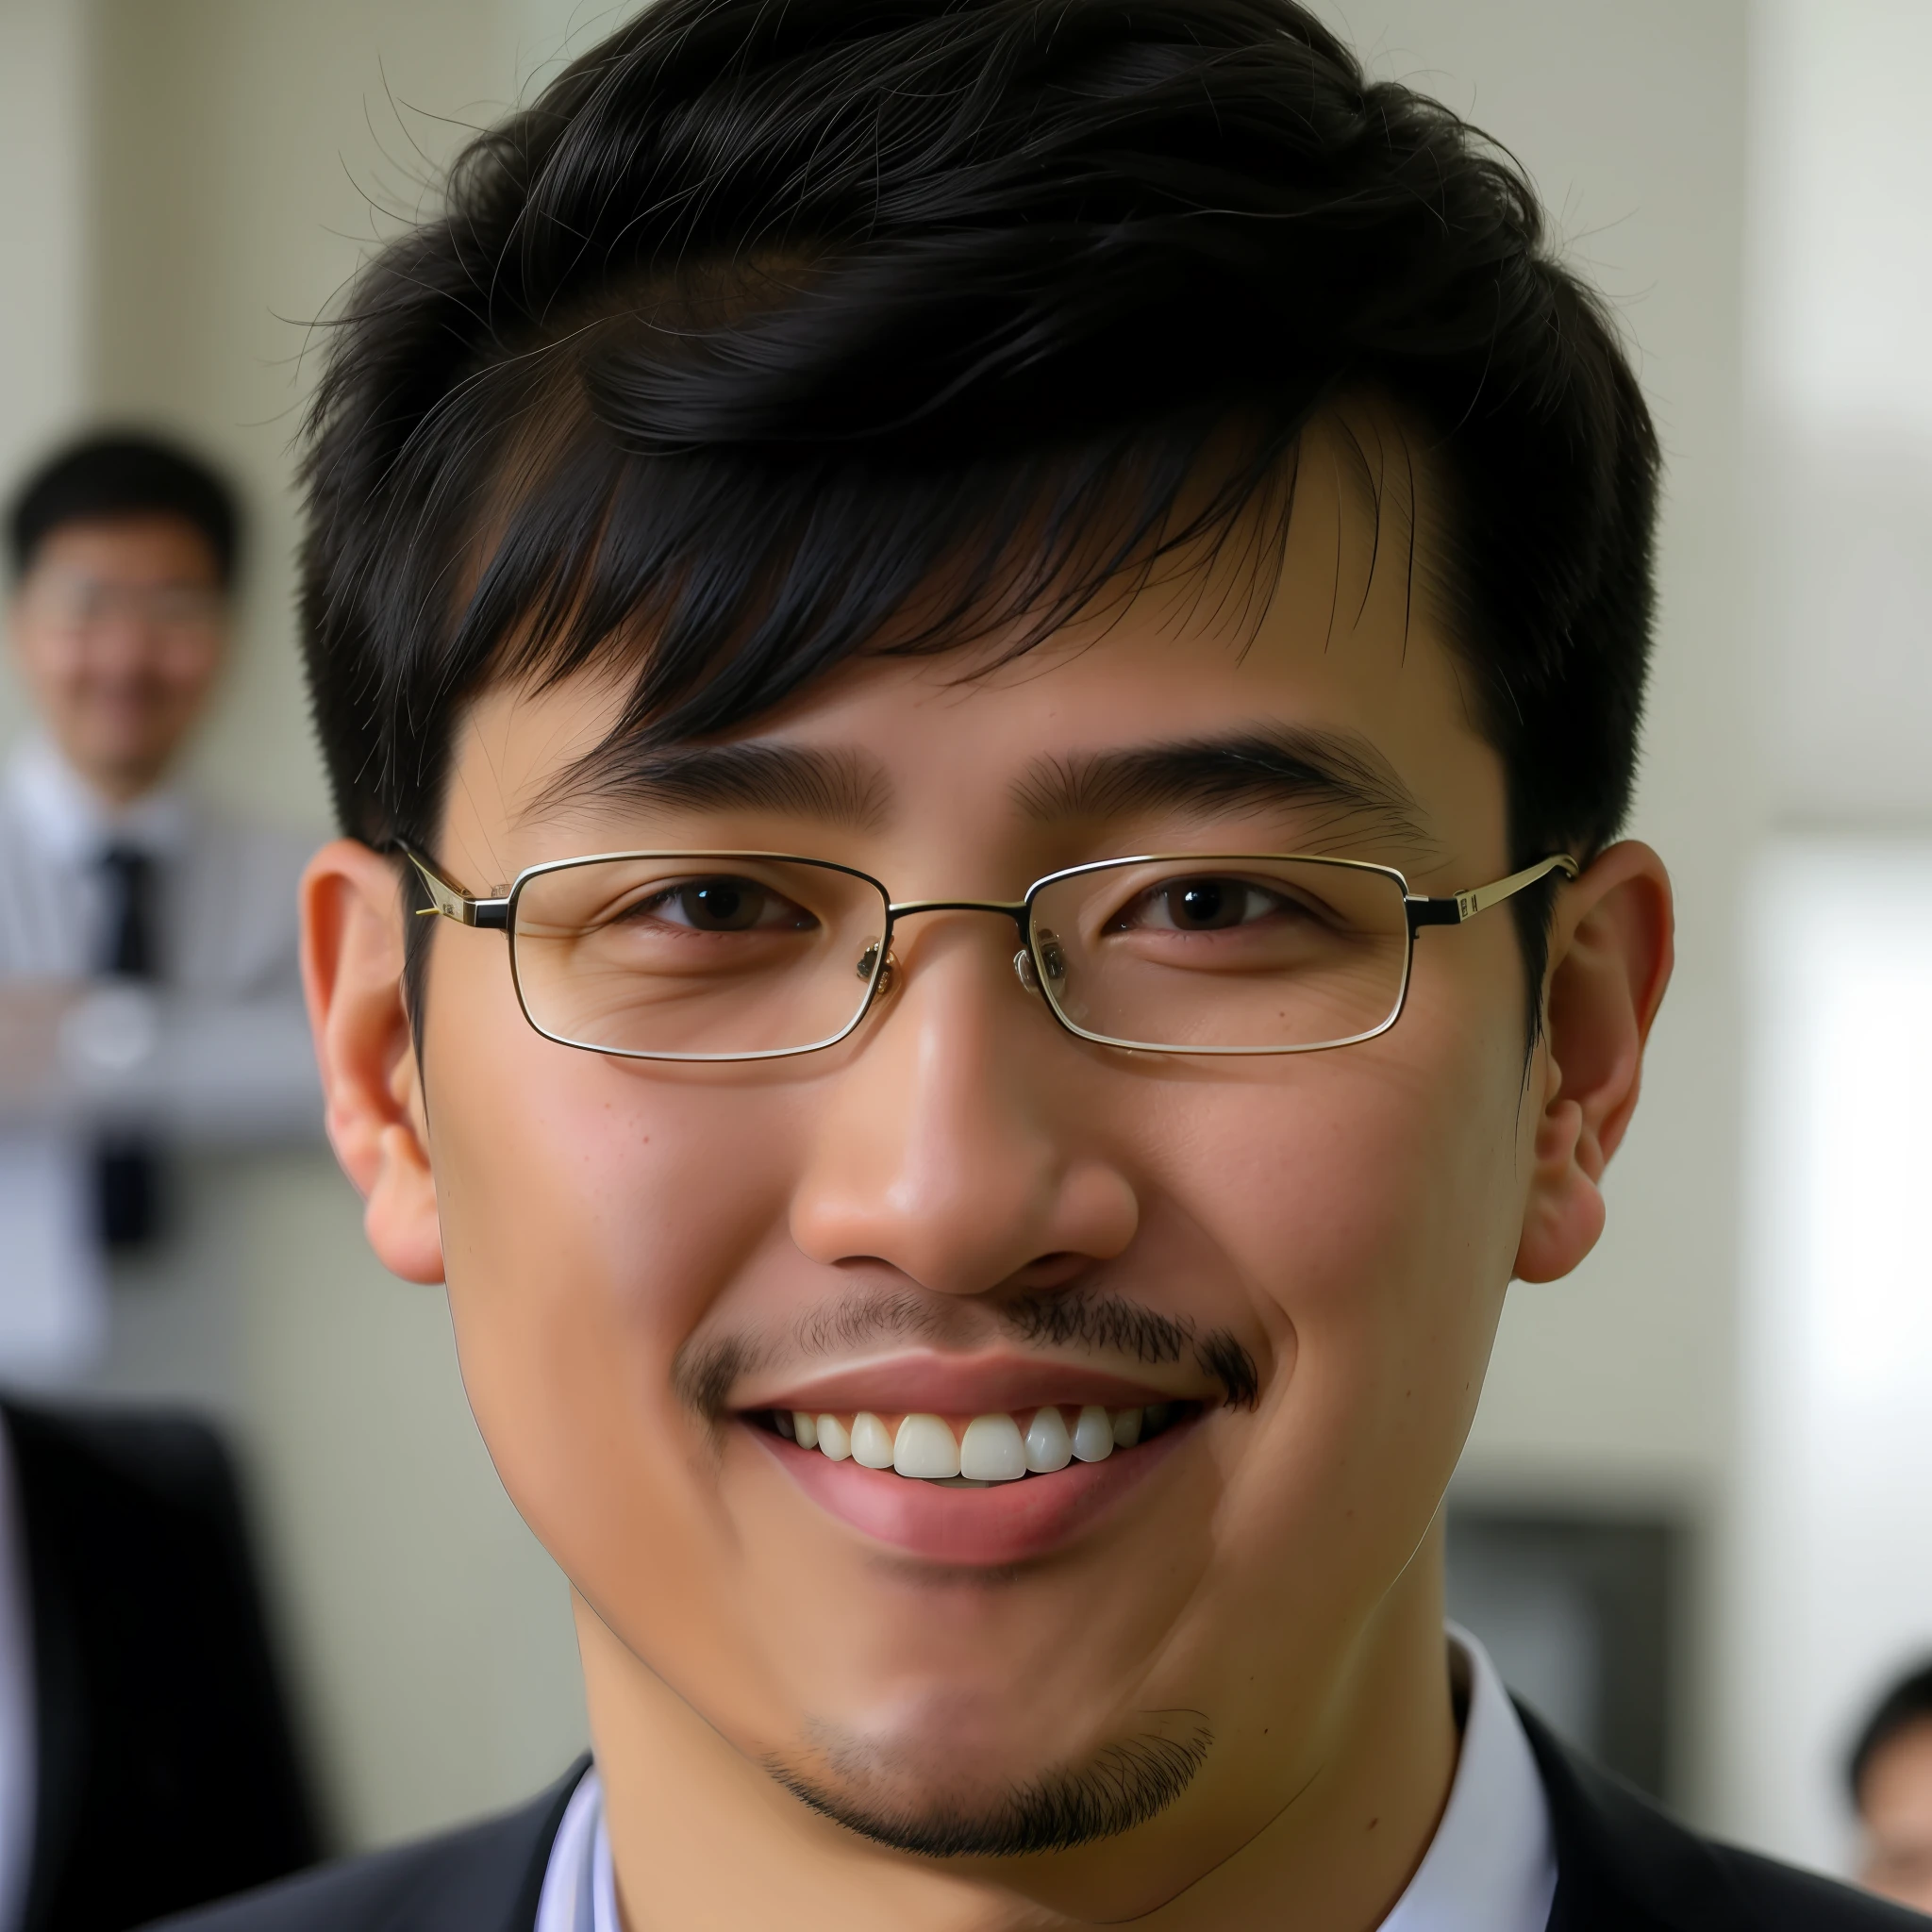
772	333
1907	1704
124	474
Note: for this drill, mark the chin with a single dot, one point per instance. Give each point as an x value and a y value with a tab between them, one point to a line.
937	1794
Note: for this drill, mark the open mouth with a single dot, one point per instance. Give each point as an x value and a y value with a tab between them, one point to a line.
980	1491
975	1452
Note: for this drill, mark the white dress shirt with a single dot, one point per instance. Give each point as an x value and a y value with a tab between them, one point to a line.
224	1055
1492	1866
215	1052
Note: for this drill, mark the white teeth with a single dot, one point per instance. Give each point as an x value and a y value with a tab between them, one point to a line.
871	1445
993	1450
925	1446
1093	1435
1048	1446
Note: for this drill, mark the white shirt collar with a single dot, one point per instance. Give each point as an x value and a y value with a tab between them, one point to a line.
579	1893
1492	1866
74	823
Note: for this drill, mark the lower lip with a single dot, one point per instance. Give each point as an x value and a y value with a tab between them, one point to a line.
1006	1523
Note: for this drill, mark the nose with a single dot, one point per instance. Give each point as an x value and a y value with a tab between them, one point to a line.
956	1147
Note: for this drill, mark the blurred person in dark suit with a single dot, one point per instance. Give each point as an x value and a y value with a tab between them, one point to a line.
146	1754
1891	1778
148	981
149	995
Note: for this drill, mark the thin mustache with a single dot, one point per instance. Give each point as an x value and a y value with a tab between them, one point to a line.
704	1372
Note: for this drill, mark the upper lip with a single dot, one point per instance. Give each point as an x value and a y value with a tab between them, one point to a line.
928	1383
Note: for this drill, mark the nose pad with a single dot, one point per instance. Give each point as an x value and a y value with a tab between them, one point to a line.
869	958
1052	958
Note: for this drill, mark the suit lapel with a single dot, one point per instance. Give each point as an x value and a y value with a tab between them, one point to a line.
62	1719
547	1816
1622	1866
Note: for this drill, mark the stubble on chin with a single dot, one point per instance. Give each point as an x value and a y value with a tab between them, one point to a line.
919	1800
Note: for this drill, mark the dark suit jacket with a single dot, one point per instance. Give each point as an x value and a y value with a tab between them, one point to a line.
1622	1866
167	1772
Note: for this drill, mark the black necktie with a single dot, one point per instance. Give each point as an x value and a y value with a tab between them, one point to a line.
126	1167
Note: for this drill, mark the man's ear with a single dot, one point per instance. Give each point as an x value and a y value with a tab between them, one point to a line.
352	971
1610	963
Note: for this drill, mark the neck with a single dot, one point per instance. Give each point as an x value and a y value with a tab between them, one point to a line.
117	789
1364	1745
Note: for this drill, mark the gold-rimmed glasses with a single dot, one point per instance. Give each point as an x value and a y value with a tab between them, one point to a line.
751	956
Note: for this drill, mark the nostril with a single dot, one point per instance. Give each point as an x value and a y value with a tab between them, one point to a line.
1052	1271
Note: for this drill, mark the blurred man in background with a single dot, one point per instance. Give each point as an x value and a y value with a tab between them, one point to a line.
148	994
1890	1774
148	983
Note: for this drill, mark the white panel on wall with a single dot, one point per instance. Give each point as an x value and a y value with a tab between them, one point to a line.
1834	1578
1844	260
1840	285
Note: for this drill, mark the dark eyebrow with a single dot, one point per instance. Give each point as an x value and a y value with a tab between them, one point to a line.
1274	766
839	788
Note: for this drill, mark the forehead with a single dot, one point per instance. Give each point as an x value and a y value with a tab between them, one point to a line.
1334	645
142	548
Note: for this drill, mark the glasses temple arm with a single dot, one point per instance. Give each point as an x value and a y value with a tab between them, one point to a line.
451	901
1463	905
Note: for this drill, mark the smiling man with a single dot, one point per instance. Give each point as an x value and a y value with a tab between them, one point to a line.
982	661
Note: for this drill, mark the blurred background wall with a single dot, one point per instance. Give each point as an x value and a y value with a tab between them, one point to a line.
1830	1569
184	187
185	184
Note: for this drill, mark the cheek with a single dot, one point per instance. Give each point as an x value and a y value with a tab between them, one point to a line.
589	1211
1371	1204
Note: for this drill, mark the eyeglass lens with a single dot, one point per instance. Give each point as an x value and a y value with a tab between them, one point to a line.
80	603
701	956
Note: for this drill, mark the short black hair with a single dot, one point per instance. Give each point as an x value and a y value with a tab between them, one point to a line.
124	474
1907	1704
772	332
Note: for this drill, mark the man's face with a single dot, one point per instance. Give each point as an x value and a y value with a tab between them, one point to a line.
1287	1266
963	1210
119	627
1895	1806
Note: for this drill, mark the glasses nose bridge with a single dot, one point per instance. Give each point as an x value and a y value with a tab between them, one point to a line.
1019	910
1015	910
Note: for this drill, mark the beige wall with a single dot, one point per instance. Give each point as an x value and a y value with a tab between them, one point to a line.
1619	1384
234	147
244	154
44	230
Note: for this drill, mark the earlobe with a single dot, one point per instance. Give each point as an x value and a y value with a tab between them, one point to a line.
352	970
1610	952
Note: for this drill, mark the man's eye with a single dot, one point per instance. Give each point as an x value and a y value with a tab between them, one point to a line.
1201	905
723	905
